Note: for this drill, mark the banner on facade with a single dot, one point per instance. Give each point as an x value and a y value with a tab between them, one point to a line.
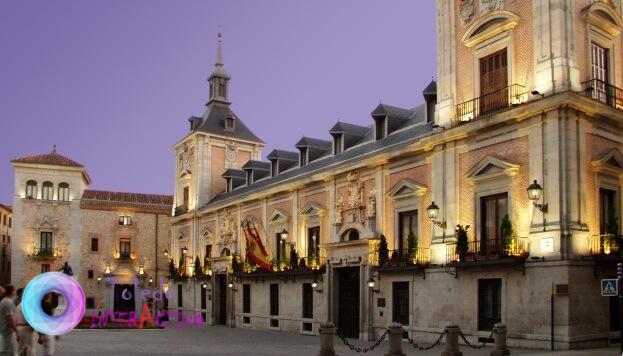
256	251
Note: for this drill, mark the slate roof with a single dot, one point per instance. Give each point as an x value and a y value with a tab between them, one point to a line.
213	122
283	155
106	200
313	143
349	129
431	89
257	165
414	128
234	173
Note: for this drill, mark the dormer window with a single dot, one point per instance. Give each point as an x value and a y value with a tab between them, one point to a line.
229	123
380	129
303	157
338	144
274	168
249	177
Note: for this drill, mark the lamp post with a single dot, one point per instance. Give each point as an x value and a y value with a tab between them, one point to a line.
433	213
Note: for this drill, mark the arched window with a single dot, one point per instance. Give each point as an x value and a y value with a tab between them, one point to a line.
47	191
31	189
63	191
225	252
351	235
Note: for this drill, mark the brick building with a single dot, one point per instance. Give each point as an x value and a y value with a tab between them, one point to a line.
519	139
6	223
112	241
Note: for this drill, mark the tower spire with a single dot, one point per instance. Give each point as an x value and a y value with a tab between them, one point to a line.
219	78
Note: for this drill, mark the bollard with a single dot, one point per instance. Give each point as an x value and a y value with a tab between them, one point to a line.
395	340
327	334
499	334
452	341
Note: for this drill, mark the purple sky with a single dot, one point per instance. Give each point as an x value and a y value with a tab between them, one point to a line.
113	82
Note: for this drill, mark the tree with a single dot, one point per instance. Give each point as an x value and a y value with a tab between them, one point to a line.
412	246
506	234
383	251
461	241
198	272
172	269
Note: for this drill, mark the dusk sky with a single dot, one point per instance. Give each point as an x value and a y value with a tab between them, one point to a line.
112	83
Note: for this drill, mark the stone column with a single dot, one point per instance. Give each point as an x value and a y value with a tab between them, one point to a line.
327	336
499	334
395	340
452	341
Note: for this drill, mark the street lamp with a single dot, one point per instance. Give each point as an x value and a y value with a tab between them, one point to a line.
433	213
372	284
284	235
534	194
184	250
151	280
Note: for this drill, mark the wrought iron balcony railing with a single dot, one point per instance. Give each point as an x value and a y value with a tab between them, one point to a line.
604	92
287	265
126	256
487	250
47	252
400	258
181	210
491	103
606	245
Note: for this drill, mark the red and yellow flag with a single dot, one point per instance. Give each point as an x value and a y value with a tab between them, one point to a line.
255	248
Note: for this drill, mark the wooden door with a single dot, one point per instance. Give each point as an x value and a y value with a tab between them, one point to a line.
348	302
493	82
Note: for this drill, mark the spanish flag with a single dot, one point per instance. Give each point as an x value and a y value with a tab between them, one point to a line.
255	248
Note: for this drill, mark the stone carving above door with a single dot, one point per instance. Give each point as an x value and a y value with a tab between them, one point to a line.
228	232
490	5
466	10
354	210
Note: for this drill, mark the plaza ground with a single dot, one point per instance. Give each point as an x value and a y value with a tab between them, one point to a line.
226	341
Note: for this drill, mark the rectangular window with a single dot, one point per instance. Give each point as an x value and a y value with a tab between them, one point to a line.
274	168
208	251
90	274
278	246
90	303
10	221
313	251
599	71
274	299
493	81
180	297
45	268
94	244
246	298
303	157
379	129
493	209
407	224
489	303
308	301
607	212
124	248
186	196
3	220
338	142
45	242
400	302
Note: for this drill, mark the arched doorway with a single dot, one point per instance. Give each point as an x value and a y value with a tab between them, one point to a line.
350	235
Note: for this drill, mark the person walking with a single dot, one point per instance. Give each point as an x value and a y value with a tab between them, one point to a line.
48	341
26	344
8	326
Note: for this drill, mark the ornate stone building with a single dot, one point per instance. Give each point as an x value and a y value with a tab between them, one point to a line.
6	229
500	192
112	241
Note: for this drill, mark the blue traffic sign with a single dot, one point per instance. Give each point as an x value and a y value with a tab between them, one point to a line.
609	287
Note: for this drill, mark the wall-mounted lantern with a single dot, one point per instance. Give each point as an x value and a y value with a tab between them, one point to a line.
372	285
433	213
534	194
166	252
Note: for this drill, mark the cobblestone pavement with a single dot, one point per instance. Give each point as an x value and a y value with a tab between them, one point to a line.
225	341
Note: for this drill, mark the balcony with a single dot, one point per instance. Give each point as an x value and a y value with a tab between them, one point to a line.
45	252
181	210
606	247
492	103
401	260
602	91
487	252
126	256
280	268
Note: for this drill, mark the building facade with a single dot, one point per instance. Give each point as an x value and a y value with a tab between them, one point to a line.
113	242
501	192
6	228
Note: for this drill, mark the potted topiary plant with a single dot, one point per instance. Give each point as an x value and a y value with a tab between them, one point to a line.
294	258
609	241
172	269
412	246
461	241
383	251
506	235
197	270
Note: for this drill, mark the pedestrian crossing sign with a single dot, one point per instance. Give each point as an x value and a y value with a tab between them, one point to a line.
609	287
